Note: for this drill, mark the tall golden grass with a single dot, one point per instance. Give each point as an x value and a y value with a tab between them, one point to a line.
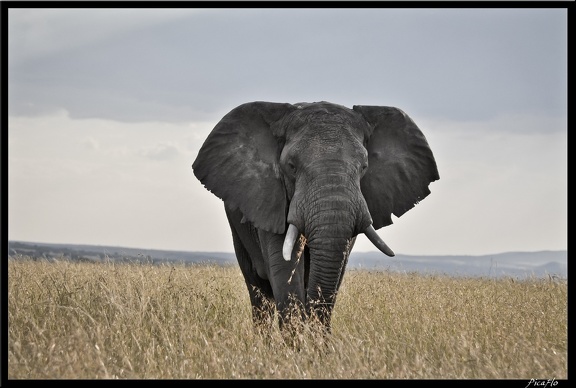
70	320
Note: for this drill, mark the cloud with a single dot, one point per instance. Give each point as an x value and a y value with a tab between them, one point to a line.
199	64
91	144
38	32
163	151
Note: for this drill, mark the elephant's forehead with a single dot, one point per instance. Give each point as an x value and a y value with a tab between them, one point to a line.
327	138
324	124
329	133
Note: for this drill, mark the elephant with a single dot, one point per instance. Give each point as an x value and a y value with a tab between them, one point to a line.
299	182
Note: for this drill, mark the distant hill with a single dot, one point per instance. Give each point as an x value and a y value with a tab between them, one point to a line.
101	253
512	264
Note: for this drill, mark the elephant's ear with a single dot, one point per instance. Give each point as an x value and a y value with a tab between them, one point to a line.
238	162
400	164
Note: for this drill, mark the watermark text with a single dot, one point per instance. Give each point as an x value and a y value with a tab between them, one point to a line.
541	383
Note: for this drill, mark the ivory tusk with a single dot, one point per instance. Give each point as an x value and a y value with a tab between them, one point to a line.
370	232
289	240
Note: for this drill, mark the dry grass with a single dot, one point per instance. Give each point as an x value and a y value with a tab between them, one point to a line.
71	320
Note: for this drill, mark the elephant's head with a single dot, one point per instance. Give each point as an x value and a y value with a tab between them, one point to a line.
321	170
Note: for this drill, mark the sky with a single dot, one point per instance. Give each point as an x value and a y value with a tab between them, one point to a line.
107	109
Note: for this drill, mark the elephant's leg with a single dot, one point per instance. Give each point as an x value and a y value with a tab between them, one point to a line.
287	278
248	253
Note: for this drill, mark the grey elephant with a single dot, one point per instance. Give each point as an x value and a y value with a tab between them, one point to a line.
299	182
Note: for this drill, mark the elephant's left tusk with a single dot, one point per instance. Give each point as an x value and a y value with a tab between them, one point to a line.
289	240
370	232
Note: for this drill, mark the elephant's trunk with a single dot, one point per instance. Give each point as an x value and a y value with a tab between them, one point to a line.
328	260
329	215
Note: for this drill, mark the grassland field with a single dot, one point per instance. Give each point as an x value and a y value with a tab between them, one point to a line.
76	320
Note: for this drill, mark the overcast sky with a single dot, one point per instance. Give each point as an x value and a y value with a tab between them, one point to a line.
109	107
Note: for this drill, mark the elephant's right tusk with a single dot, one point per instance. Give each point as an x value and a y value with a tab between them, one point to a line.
370	232
289	240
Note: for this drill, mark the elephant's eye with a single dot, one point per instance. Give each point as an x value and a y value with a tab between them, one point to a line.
363	168
292	167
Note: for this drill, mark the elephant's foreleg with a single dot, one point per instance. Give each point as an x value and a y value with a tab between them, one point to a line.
287	278
259	289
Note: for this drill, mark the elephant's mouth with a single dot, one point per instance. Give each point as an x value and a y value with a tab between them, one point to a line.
292	234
